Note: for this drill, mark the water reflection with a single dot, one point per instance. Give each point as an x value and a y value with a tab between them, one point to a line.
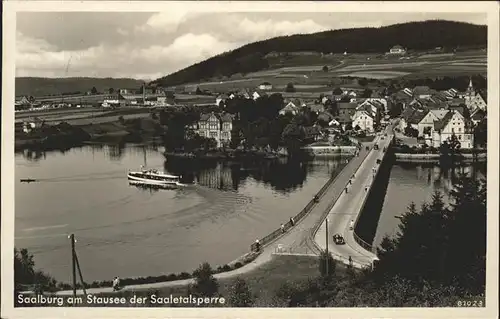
416	183
283	175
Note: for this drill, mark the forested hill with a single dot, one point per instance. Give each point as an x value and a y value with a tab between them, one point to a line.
54	86
413	36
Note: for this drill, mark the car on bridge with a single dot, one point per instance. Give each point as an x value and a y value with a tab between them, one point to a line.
338	239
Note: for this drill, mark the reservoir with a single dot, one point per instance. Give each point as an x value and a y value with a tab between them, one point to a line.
126	231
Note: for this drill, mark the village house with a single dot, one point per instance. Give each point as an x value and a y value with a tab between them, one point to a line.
397	49
32	124
216	126
25	103
346	112
477	116
364	118
405	117
477	101
379	103
426	124
265	86
422	92
402	96
474	99
453	123
221	98
290	108
316	108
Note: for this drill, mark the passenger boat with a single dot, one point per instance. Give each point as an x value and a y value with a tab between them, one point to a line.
153	177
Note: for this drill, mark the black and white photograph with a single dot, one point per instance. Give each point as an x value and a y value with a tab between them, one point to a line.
213	154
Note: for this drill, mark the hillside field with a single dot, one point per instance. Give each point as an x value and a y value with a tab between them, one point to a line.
311	78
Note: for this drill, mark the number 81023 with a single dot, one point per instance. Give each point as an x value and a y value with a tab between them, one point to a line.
470	303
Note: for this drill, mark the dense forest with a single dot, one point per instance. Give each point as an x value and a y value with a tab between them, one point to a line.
414	36
34	86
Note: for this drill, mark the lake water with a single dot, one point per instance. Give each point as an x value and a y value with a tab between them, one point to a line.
125	231
416	183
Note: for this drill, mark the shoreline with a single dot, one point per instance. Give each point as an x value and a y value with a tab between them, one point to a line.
435	158
244	263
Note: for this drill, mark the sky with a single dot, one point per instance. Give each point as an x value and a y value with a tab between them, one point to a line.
148	45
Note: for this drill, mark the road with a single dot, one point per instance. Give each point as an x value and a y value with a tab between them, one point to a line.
347	209
297	240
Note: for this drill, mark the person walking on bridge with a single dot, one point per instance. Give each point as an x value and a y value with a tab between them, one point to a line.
282	228
292	222
257	245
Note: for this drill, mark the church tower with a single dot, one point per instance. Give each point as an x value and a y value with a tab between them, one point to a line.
470	89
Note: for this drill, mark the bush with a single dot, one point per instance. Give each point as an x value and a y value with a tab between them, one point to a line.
184	275
237	265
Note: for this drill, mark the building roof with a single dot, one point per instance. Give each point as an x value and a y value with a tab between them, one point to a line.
265	83
420	90
317	107
439	125
325	116
417	116
478	115
226	117
456	101
460	109
439	113
347	105
483	94
397	46
407	113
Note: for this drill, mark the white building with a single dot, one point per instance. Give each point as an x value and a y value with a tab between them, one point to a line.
428	121
453	123
397	49
364	119
474	100
266	86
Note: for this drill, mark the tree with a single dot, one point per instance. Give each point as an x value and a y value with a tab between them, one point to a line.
395	109
453	250
325	68
357	128
26	275
240	294
111	90
410	131
337	91
290	88
293	136
205	284
481	133
362	81
93	90
367	93
332	264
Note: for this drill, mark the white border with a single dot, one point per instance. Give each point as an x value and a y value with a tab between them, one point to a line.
7	206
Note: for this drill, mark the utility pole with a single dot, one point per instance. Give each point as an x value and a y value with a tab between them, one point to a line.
80	274
73	264
327	253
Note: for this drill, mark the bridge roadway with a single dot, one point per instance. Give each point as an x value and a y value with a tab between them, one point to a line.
348	208
296	241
